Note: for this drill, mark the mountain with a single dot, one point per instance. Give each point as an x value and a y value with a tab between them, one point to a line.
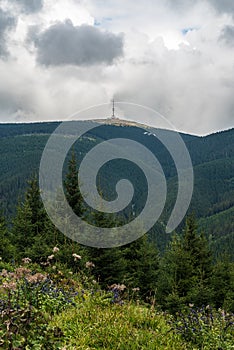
21	147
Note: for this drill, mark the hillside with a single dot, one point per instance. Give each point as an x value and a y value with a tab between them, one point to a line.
21	146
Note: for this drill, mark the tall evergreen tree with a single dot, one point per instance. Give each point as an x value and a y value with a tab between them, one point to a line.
142	263
30	224
71	184
109	262
39	218
222	281
185	270
6	247
197	247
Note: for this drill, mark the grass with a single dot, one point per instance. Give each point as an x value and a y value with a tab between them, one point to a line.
97	324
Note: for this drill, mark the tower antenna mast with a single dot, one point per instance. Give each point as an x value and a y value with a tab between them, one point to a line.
113	109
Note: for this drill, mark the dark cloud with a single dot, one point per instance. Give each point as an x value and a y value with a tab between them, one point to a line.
66	44
226	6
227	35
182	4
6	23
223	5
30	6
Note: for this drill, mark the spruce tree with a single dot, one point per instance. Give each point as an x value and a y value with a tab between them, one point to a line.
30	225
197	247
39	218
222	282
72	190
175	274
109	262
142	263
6	246
185	270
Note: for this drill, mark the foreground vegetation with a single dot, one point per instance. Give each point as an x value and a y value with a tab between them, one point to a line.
54	309
58	294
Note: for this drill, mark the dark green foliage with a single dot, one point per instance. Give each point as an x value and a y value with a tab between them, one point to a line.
142	262
73	194
187	273
6	247
216	227
222	282
30	225
212	157
205	325
109	265
185	270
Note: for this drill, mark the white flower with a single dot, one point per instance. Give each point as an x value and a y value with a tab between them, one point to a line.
26	260
76	256
50	257
55	249
119	287
89	264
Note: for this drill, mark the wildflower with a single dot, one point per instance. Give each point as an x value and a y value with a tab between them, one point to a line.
76	257
54	267
55	249
118	287
191	305
136	289
89	264
9	286
70	272
50	257
21	271
0	258
38	277
26	260
4	273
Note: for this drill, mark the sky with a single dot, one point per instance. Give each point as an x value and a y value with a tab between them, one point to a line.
174	56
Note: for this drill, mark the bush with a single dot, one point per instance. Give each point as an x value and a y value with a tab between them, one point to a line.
28	302
206	327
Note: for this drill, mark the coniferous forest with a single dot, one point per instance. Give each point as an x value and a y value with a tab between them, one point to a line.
150	294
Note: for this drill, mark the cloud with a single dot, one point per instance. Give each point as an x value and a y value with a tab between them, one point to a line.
30	6
85	45
57	66
227	35
6	23
223	5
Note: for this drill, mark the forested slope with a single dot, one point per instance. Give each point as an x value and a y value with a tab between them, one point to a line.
21	147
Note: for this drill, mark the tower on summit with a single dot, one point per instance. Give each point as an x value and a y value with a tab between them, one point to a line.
113	109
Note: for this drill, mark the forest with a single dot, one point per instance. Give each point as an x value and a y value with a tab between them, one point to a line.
58	294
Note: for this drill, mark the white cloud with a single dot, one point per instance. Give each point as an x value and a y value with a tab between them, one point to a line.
187	77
